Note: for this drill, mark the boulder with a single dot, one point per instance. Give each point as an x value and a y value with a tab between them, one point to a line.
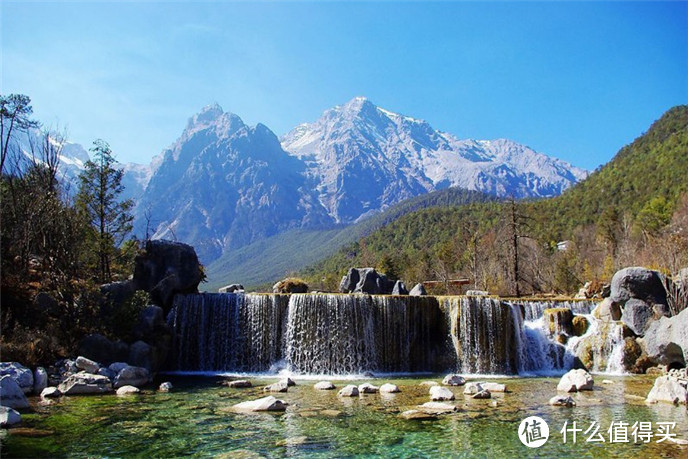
141	355
240	384
348	391
151	324
494	387
100	349
472	388
268	403
558	321
666	340
279	386
290	285
418	290
669	389
454	380
388	388
324	385
165	387
418	415
40	380
579	325
366	280
166	268
607	311
115	294
88	365
232	288
9	417
131	376
575	380
19	373
640	283
50	392
290	382
438	407
367	388
399	288
11	394
483	394
562	400
349	281
439	393
46	304
107	373
85	383
116	367
128	390
637	315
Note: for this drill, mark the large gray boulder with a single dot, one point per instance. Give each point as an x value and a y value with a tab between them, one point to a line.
666	340
399	288
85	383
439	394
418	290
575	380
637	315
11	394
22	376
166	268
88	365
366	280
669	389
131	376
641	283
141	355
40	380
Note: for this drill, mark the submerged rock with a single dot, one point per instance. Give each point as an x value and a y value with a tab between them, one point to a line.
454	380
239	384
418	415
324	385
389	388
438	407
429	383
9	417
348	391
438	393
575	380
279	386
268	403
669	389
11	394
562	400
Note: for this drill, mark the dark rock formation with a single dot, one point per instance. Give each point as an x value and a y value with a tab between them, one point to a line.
100	349
399	288
640	283
366	280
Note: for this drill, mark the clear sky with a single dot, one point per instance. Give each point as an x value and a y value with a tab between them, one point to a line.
574	80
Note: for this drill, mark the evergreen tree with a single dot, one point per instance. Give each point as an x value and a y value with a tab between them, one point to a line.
98	198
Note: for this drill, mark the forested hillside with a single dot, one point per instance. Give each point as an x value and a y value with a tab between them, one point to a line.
632	211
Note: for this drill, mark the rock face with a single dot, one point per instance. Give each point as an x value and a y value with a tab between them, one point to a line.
100	349
637	315
348	391
418	290
165	269
324	385
641	283
666	340
575	380
366	280
19	373
268	403
11	394
558	320
454	380
131	376
669	389
85	383
438	394
9	417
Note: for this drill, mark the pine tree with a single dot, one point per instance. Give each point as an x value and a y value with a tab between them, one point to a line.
99	199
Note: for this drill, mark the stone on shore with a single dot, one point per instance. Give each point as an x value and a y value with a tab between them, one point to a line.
268	403
454	380
388	388
11	394
669	389
575	380
348	391
324	385
128	390
439	393
9	417
85	383
165	387
50	392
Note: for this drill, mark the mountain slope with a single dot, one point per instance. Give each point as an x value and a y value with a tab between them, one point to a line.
364	158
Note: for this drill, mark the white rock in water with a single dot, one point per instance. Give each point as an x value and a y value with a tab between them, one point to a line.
437	407
288	381
367	388
575	380
668	389
279	386
268	403
348	391
165	387
493	386
9	417
324	385
562	400
472	388
128	390
388	388
439	393
454	380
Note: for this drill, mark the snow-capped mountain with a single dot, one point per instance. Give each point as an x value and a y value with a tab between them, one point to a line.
224	184
364	158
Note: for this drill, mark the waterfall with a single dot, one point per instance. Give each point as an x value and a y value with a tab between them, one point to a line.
353	334
535	309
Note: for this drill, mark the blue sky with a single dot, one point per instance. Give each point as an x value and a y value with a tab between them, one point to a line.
574	80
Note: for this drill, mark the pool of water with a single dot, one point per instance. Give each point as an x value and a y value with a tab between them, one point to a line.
196	420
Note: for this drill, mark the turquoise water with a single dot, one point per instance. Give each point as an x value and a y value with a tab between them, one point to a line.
196	420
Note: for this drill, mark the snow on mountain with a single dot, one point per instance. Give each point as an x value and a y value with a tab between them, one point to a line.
365	158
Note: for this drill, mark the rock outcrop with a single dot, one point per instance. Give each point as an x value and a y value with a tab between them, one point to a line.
366	280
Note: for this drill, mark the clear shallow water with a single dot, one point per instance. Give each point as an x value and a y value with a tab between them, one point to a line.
196	420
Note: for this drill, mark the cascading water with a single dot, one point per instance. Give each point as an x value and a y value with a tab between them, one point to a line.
353	334
533	310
